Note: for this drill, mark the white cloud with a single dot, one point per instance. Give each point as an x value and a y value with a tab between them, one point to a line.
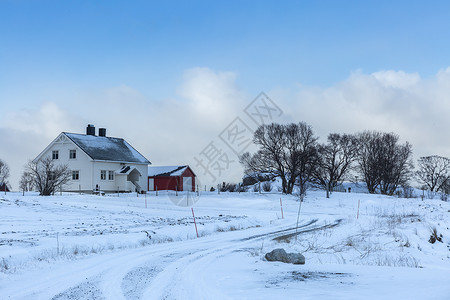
175	129
212	95
396	79
25	133
45	121
415	108
166	131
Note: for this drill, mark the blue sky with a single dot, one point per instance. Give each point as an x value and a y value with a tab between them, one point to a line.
148	44
70	54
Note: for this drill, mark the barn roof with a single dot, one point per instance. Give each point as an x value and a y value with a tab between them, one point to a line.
107	148
166	170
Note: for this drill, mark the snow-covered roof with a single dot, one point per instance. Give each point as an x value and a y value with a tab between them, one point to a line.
166	170
125	170
107	148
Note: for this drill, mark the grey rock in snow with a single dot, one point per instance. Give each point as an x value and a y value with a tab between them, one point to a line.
281	255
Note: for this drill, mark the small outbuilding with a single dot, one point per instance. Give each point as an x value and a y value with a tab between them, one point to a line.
175	178
4	187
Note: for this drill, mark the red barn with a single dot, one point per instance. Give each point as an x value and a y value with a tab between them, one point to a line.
175	178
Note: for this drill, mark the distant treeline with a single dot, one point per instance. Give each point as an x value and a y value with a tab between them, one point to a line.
292	153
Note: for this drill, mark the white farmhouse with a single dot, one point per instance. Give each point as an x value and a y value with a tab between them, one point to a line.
98	162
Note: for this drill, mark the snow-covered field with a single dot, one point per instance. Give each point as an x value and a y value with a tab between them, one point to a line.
110	247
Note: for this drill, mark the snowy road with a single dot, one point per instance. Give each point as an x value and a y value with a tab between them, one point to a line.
90	247
165	271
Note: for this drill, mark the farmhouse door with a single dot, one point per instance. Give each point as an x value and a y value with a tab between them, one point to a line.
187	184
151	184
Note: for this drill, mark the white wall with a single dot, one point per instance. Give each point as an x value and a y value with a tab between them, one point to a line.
81	163
143	169
105	185
118	182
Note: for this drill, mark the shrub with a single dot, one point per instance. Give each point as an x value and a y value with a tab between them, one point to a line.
4	265
267	186
228	187
435	236
408	191
430	194
241	188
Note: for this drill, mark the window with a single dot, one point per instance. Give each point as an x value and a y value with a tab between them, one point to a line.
110	175
102	175
75	175
55	154
72	154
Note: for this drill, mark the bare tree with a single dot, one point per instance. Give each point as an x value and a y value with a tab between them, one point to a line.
446	188
434	172
48	177
301	156
335	161
383	162
367	159
4	172
26	182
285	151
269	158
396	162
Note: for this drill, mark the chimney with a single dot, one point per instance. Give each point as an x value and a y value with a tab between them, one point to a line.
90	130
102	132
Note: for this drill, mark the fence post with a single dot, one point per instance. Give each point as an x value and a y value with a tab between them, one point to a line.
194	221
281	205
357	214
57	243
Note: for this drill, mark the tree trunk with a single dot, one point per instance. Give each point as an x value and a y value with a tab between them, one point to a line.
284	185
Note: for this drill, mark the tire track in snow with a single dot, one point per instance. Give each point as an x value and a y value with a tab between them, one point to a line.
183	278
116	275
289	235
112	286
